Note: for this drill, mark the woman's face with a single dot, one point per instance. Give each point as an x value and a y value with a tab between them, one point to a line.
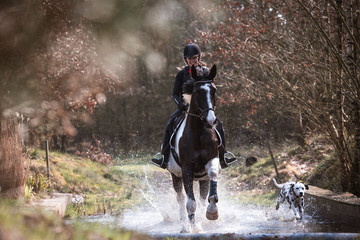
193	61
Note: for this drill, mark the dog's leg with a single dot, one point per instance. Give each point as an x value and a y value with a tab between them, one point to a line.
301	208
280	199
301	212
295	211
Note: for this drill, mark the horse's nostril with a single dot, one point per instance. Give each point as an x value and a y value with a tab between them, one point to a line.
211	124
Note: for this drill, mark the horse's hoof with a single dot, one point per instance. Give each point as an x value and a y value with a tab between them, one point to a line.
185	228
197	228
212	212
212	216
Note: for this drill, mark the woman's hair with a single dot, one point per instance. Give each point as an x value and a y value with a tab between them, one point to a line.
202	63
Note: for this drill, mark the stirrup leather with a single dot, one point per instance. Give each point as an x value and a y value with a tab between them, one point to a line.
229	159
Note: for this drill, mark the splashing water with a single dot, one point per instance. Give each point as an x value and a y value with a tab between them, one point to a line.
161	214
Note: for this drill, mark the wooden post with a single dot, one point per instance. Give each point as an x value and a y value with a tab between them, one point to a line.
273	160
47	160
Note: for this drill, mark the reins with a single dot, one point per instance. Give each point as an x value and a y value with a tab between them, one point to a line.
194	115
199	115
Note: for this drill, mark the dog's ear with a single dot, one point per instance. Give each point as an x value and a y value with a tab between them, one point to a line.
306	187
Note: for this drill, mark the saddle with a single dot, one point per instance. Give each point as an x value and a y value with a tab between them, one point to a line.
173	130
176	123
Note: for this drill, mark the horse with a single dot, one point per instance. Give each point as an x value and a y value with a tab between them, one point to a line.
195	154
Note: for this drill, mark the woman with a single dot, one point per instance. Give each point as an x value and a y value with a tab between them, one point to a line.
192	54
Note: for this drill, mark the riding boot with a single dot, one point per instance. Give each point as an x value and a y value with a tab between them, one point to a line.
226	158
163	158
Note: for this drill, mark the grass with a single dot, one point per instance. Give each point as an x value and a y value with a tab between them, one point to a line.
258	197
93	181
252	183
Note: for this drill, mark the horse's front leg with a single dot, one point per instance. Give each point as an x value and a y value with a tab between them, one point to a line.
178	186
188	178
204	190
213	168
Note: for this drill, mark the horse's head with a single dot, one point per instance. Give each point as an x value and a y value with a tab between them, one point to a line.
204	95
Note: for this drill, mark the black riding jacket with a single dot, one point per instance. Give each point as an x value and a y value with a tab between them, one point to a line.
182	77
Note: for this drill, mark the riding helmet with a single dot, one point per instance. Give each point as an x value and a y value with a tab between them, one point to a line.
191	50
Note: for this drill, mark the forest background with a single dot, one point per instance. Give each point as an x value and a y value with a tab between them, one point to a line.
96	77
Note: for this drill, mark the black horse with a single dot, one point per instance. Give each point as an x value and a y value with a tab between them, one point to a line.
195	151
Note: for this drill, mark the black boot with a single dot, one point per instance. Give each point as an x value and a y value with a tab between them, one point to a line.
161	159
226	158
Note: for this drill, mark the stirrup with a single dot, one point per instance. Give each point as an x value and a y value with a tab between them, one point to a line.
158	160
229	159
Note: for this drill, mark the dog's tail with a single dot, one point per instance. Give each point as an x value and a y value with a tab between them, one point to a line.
276	184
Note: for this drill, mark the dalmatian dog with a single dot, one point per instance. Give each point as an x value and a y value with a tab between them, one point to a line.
294	193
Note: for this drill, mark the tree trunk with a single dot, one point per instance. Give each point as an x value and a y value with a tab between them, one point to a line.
351	59
340	105
355	167
12	173
299	130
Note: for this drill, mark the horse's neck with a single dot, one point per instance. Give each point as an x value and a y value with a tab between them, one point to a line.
194	119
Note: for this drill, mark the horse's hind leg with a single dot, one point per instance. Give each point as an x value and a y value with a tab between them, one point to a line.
213	168
204	190
180	197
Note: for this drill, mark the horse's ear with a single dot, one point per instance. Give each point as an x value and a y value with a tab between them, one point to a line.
212	73
194	73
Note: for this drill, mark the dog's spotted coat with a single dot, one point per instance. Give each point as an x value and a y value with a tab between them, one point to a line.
294	193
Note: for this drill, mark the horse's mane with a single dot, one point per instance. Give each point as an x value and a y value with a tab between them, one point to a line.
188	86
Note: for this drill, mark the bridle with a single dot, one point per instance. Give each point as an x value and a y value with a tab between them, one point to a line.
200	109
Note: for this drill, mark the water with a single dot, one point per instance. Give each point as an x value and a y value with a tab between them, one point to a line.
160	215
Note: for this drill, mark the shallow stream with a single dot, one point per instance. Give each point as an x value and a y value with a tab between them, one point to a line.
160	215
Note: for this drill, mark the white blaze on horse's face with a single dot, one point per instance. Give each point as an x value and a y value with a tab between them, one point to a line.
210	117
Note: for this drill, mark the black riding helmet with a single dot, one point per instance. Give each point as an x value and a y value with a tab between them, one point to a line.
191	50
